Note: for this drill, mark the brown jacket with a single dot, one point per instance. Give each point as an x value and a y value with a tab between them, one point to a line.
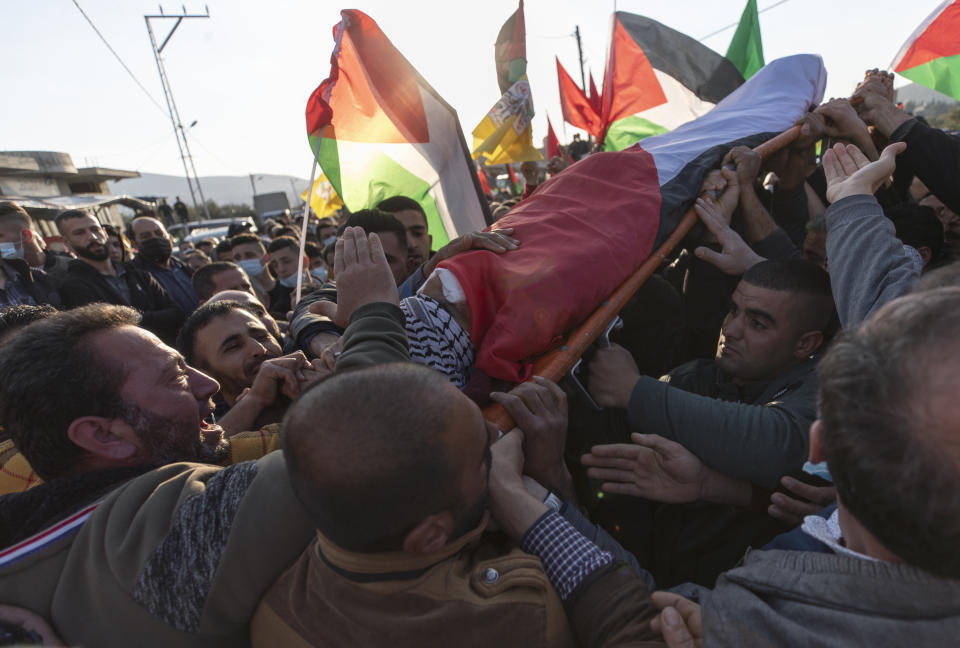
475	592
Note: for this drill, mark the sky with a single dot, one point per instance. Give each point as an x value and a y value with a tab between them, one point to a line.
245	73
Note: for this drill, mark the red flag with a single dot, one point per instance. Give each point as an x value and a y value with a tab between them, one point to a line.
577	109
595	99
629	83
553	144
483	181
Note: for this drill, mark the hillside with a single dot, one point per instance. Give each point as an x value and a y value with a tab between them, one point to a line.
224	190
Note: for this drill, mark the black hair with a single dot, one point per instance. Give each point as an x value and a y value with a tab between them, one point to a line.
200	318
395	204
202	279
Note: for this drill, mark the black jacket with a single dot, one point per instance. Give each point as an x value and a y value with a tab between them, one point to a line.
41	287
85	285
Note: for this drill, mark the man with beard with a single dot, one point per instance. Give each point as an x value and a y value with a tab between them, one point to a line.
228	341
156	257
115	550
93	277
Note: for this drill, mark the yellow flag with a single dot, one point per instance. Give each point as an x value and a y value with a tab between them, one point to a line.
324	200
505	134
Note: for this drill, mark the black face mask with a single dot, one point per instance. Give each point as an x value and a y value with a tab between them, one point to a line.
156	250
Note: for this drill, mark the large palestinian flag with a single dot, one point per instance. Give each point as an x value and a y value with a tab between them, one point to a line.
379	130
931	56
585	230
656	79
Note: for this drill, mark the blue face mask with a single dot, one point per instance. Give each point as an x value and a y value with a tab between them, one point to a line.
289	282
320	274
329	240
252	267
11	251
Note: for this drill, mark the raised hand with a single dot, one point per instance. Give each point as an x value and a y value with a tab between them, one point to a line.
498	241
792	510
680	621
842	121
363	276
612	375
850	173
652	467
735	256
539	408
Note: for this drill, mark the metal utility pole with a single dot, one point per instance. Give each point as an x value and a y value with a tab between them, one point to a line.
583	77
185	156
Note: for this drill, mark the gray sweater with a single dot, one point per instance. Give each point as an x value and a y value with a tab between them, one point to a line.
798	598
868	265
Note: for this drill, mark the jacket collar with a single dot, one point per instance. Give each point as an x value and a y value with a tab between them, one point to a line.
391	565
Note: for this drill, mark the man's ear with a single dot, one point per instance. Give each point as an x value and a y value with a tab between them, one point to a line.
816	439
807	344
431	535
103	437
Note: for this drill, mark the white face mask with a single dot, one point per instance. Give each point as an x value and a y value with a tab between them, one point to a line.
11	251
252	267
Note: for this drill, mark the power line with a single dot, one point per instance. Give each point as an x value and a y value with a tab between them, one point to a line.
117	56
731	26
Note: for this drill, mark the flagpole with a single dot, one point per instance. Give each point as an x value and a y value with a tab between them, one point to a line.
306	217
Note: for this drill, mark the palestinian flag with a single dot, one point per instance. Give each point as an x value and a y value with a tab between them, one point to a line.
379	130
931	56
506	134
746	48
657	79
586	229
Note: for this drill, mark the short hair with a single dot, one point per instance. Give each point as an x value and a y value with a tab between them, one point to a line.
53	376
200	318
312	250
917	226
14	318
943	277
283	230
803	278
71	213
283	243
11	212
241	239
223	246
894	462
395	204
202	279
376	466
375	221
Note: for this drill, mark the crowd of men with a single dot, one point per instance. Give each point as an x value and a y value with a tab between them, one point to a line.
193	457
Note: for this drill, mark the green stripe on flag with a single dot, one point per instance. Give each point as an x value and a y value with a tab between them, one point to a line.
746	48
381	178
942	74
329	159
628	131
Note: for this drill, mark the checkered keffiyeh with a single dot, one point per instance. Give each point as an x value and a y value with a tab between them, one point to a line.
436	340
567	556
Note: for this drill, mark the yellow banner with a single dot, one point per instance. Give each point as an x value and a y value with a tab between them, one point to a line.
505	134
324	200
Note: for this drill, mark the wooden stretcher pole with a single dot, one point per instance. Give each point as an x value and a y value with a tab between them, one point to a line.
555	364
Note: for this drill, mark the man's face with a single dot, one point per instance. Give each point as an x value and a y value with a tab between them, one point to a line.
86	238
395	250
11	232
148	228
468	444
232	279
284	262
248	299
247	251
325	231
166	401
758	337
232	347
419	242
